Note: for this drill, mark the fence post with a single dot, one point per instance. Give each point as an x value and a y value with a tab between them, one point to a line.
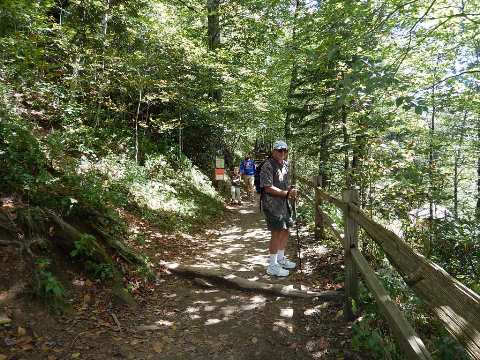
351	237
319	227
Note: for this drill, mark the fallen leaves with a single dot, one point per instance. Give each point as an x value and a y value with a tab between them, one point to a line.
157	347
21	331
4	320
294	346
92	330
25	343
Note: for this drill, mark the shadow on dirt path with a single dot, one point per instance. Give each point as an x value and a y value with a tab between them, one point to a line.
227	323
178	318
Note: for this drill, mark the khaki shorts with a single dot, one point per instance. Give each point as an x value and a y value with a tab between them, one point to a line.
249	181
277	222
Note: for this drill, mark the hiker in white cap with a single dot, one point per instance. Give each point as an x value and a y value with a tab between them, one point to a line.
275	192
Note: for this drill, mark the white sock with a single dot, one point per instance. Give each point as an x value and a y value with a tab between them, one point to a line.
273	259
280	255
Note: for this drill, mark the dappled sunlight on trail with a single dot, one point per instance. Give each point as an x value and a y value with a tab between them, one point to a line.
240	247
193	318
210	320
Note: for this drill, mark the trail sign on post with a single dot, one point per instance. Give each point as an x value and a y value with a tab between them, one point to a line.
219	163
219	168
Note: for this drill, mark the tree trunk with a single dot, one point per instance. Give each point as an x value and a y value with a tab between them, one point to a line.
431	170
455	185
458	162
356	178
477	208
213	34
346	147
323	153
104	45
213	24
294	75
180	138
288	117
136	127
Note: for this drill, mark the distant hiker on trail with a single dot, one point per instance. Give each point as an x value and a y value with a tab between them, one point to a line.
275	192
247	170
235	187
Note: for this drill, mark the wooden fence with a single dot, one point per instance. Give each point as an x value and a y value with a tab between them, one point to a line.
455	305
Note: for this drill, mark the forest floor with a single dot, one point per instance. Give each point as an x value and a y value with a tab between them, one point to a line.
179	318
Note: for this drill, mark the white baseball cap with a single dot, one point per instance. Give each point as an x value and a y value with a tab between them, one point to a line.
280	144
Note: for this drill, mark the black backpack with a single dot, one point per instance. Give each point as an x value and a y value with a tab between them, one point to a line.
258	169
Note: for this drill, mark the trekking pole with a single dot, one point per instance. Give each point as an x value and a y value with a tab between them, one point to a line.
299	245
295	218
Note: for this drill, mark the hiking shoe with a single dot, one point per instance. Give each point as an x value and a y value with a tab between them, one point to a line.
286	264
276	270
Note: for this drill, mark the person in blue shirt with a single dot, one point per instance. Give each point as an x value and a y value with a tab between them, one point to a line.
247	170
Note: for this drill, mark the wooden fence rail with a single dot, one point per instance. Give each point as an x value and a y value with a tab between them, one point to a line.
456	306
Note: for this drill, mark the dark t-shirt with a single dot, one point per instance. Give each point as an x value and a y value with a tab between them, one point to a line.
236	180
277	176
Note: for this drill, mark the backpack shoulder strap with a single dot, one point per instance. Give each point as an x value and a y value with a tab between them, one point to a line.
273	162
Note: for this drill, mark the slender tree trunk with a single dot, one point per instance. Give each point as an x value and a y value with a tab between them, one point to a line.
180	137
356	176
136	127
431	166
370	189
455	185
213	18
294	75
458	162
346	146
104	45
477	208
213	34
323	153
288	117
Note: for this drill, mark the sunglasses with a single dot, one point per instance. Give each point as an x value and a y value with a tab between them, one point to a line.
282	150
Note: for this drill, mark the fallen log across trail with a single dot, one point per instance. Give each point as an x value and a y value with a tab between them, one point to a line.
245	284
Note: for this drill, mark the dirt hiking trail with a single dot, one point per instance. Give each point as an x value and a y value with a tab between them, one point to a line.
183	318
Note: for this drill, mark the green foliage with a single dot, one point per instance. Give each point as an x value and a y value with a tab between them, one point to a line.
158	191
458	250
101	271
447	348
22	163
99	102
47	287
145	270
371	331
366	336
86	249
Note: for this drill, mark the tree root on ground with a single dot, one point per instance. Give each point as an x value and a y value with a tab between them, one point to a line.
49	226
11	242
23	245
244	284
10	294
118	246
